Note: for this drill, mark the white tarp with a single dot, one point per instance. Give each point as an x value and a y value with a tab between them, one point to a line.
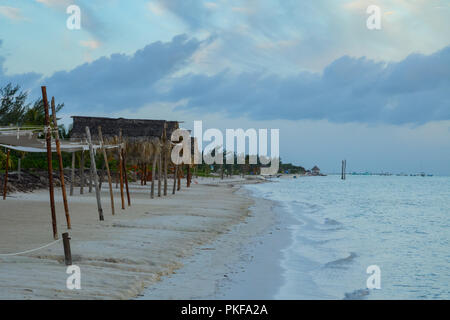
28	141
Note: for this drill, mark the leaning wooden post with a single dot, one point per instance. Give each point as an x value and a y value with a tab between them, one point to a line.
91	178
126	177
152	193
5	183
121	170
82	172
105	157
94	172
48	139
175	173
61	165
72	177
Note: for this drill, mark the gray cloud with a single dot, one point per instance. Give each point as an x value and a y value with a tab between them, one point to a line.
415	90
121	81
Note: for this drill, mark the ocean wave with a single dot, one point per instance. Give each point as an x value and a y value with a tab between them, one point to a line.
340	263
357	294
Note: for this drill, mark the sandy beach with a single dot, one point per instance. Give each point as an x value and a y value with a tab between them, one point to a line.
158	248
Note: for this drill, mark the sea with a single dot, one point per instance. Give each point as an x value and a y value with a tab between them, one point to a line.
366	237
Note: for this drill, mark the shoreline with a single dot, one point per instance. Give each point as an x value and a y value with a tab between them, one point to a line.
135	249
235	265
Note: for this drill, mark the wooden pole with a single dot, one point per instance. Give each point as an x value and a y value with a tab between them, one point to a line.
94	173
72	178
180	170
159	175
19	168
108	172
61	165
121	170
67	251
48	139
91	178
145	174
175	173
188	176
126	177
5	183
152	193
82	172
165	157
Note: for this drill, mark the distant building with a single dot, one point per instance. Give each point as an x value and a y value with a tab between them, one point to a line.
315	171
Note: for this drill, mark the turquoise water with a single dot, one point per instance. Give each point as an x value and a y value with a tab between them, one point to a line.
339	228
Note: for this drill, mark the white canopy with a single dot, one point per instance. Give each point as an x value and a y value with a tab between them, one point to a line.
27	140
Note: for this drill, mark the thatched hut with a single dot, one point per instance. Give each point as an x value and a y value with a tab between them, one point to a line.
144	140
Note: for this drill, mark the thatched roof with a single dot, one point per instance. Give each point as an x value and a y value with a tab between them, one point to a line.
131	128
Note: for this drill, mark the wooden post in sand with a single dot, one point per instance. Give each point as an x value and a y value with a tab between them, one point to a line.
105	157
159	175
5	182
152	193
180	170
94	173
19	168
124	161
48	139
121	170
165	156
145	174
61	165
82	172
175	173
72	177
91	177
67	252
188	176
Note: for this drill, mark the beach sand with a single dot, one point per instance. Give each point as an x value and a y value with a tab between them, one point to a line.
136	252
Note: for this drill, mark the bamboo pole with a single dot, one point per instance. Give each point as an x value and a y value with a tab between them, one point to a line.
94	173
126	177
108	172
72	178
61	165
48	139
121	170
152	193
5	183
82	172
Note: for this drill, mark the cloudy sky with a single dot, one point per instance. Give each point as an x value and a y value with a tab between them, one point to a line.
334	88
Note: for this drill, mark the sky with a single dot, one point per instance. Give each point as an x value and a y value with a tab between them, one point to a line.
334	88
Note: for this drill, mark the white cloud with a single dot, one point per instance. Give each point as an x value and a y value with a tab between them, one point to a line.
11	13
91	44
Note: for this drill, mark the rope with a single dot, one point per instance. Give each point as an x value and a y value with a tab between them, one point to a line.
28	251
